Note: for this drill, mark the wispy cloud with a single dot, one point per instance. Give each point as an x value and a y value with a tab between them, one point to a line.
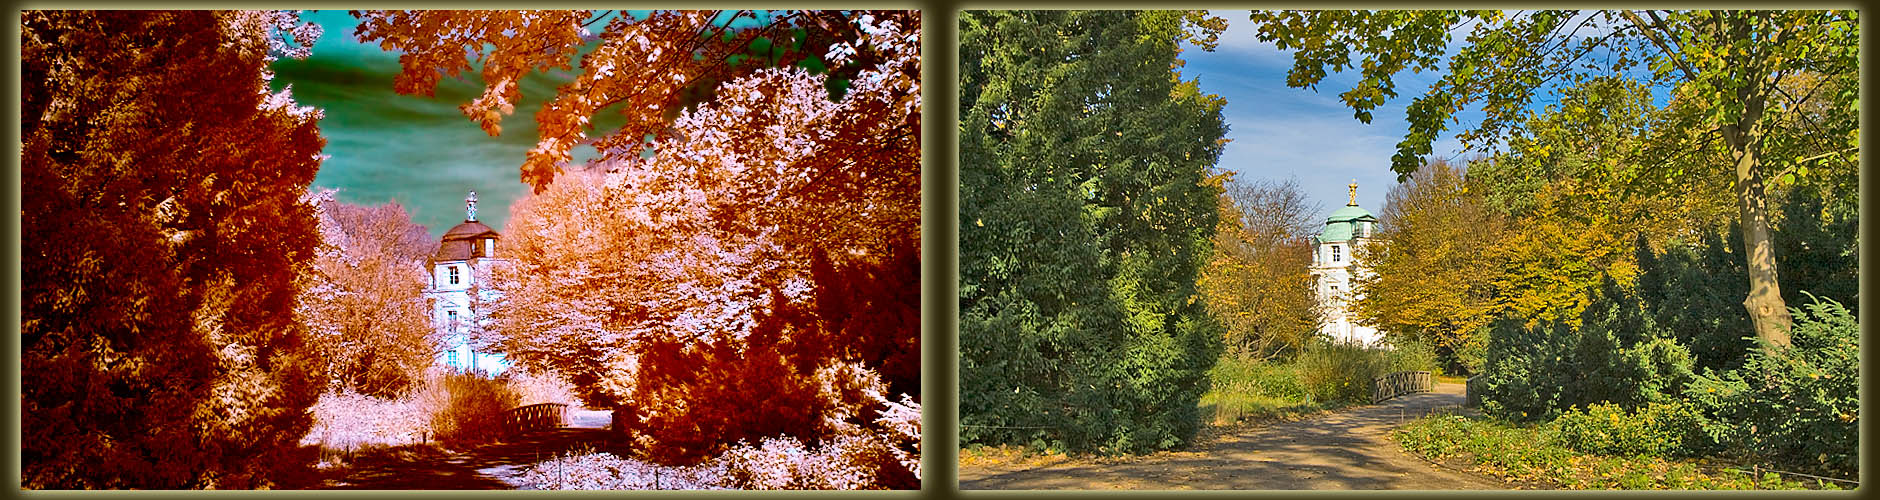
1280	132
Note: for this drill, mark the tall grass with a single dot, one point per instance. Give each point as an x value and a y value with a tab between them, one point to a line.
1325	375
1340	374
536	388
1251	389
467	407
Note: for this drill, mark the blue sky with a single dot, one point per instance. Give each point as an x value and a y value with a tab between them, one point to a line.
1280	132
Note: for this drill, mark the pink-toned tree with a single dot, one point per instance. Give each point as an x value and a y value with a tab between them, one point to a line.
741	260
363	302
162	235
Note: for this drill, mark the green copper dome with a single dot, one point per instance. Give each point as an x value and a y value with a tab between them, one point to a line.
1349	213
1344	222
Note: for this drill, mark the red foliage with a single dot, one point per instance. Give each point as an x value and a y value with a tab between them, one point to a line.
162	234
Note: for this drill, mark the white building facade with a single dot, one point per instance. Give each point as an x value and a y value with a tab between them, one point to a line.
1335	269
458	285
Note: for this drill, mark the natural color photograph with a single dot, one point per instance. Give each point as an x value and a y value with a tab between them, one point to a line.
1409	250
299	250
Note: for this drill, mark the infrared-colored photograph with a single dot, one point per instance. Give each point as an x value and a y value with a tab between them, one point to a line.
446	250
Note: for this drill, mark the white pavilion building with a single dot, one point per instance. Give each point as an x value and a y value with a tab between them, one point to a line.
460	271
1334	269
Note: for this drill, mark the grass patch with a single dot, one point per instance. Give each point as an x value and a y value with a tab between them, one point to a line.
1251	390
977	455
1538	453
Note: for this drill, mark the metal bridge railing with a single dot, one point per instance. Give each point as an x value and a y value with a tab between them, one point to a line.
1400	383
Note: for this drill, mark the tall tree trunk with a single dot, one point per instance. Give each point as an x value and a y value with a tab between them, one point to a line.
1767	311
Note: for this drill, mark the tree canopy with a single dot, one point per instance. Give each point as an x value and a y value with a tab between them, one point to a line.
753	274
164	234
363	300
647	68
1732	67
1258	282
1086	217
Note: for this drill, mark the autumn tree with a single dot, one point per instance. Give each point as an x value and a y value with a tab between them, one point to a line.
1431	271
363	302
647	68
163	234
752	269
1258	283
1085	222
1732	65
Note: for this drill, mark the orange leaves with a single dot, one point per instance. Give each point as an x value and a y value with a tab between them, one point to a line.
651	67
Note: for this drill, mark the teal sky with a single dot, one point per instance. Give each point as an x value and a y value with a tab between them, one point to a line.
420	152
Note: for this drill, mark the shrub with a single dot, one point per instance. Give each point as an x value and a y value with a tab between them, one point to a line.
605	471
1798	407
1617	355
1656	429
344	421
884	455
1242	387
466	408
1411	355
1337	373
534	388
1539	453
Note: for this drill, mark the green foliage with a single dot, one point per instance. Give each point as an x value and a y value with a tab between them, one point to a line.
1084	224
1241	388
1618	355
1413	355
1655	429
1798	407
1817	242
1542	453
1341	374
1513	450
1691	292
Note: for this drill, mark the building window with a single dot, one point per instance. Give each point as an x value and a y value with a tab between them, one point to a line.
453	275
450	320
1362	227
452	357
1335	258
489	247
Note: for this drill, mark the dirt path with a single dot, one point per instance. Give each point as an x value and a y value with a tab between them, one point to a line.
489	467
1344	450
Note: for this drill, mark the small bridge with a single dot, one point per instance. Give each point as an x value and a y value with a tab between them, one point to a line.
1400	383
535	417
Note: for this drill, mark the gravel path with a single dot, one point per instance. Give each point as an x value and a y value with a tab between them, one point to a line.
1347	450
489	467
